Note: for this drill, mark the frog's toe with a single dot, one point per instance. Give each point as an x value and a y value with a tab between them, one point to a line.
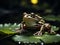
37	33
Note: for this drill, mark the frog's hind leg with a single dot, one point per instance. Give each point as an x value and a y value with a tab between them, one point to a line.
48	28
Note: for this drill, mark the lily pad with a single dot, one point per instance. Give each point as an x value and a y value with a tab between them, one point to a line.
45	38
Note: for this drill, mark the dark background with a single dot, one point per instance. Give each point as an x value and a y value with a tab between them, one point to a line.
11	10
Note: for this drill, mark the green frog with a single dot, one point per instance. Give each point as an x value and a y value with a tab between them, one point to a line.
34	21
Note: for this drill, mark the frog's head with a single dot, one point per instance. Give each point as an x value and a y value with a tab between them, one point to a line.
29	15
28	18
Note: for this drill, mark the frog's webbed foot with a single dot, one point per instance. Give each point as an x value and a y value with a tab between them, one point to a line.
52	32
38	33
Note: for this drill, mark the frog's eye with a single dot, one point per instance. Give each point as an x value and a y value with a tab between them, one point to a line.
24	13
32	13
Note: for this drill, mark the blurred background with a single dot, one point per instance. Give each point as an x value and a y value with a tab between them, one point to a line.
11	10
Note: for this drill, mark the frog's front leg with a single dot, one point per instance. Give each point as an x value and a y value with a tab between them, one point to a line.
39	32
21	29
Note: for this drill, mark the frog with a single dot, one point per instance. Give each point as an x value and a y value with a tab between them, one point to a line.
34	21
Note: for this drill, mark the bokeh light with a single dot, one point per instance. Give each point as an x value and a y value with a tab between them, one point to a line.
34	1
